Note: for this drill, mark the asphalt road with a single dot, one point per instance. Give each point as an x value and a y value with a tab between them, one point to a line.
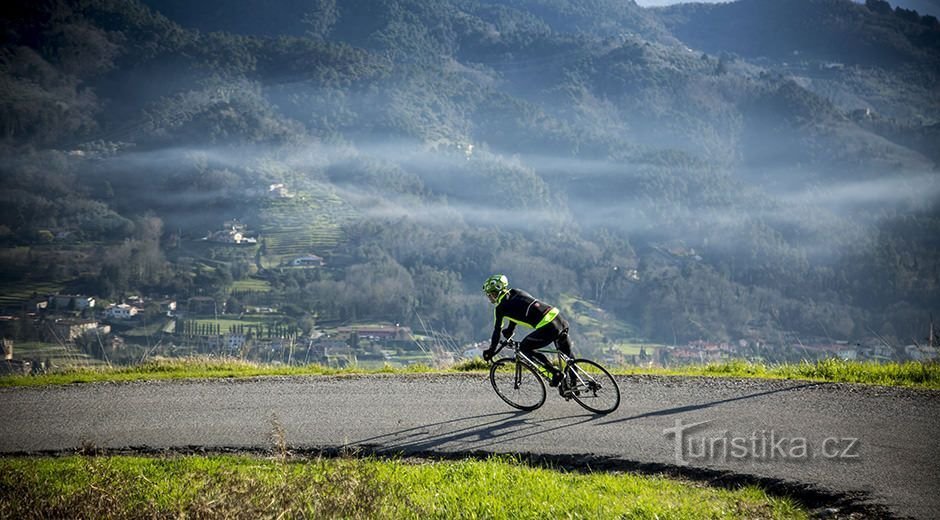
878	445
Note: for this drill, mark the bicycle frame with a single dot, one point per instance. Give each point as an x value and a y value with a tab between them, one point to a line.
520	356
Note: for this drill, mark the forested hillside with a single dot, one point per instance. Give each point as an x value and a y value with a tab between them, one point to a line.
755	170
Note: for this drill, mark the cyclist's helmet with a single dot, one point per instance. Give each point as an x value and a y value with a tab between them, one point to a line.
496	284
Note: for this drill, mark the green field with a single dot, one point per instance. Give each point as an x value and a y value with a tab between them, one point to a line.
245	319
225	323
156	328
347	487
633	349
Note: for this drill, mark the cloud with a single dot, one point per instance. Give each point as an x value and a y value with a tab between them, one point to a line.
917	191
391	206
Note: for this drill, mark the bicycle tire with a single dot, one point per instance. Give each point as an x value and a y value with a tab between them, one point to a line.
528	394
595	390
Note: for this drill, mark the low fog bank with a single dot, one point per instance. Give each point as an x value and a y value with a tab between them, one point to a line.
392	180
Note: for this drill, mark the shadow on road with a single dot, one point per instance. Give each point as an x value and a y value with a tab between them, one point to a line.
486	430
495	428
693	407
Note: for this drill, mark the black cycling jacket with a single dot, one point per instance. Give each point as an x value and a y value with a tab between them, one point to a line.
518	306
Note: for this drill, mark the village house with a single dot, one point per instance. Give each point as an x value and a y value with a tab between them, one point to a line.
15	367
377	331
232	232
67	329
121	311
279	191
307	261
36	304
235	341
921	352
167	307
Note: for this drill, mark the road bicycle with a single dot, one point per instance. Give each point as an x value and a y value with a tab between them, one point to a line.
520	381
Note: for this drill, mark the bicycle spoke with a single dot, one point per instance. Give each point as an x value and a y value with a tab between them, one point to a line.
517	384
594	388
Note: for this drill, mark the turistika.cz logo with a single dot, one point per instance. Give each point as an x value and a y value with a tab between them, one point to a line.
759	445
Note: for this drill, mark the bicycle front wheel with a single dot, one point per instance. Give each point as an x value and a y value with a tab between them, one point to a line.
592	386
517	384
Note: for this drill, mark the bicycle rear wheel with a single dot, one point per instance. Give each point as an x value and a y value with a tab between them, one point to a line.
592	386
517	384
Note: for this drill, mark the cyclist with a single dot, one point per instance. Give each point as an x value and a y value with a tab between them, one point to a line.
519	307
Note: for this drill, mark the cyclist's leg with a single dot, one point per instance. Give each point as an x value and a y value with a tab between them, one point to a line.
563	342
540	338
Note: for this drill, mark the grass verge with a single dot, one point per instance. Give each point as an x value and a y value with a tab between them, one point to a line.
189	368
253	487
914	374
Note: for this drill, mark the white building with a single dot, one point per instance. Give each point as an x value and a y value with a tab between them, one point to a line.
231	235
307	261
121	311
235	341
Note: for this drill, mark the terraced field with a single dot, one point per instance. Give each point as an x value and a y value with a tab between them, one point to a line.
251	284
592	321
16	294
310	222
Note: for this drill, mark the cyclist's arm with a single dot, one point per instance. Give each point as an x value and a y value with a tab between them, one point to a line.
494	340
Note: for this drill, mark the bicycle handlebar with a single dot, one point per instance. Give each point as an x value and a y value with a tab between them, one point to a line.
503	343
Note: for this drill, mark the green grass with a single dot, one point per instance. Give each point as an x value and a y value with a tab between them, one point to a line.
190	368
910	374
279	487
